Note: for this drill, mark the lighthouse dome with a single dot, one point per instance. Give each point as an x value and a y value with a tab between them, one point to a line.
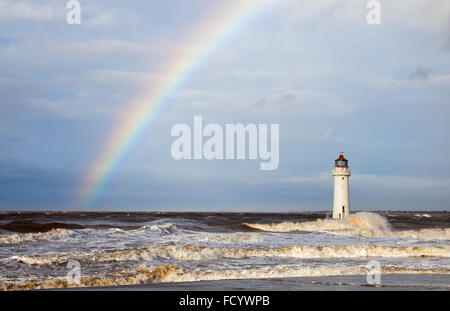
341	161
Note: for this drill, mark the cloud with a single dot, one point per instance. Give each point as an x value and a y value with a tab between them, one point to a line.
446	45
93	15
429	15
415	14
24	10
404	183
420	74
103	17
327	133
303	102
314	67
423	86
408	184
24	185
96	93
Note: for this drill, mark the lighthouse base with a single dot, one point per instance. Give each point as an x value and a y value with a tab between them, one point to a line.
344	213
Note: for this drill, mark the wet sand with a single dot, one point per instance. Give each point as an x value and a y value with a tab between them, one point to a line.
403	282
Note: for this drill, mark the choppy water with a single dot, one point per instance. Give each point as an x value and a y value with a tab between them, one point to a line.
136	248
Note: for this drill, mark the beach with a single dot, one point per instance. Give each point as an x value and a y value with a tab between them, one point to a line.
392	282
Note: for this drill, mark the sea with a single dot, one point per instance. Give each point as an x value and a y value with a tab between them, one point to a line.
50	250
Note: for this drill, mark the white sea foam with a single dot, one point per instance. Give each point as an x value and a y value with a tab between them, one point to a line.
29	237
208	253
227	238
163	228
117	256
191	253
173	273
359	224
178	275
40	260
423	215
59	234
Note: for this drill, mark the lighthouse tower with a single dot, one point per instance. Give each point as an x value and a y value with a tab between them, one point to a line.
341	173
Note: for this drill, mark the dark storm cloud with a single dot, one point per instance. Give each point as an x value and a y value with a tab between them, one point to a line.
420	74
27	186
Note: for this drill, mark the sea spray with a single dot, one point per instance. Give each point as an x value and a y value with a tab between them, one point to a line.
359	224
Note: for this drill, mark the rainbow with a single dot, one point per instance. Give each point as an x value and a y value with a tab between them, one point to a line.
144	109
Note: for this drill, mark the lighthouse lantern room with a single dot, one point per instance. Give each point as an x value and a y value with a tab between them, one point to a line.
341	173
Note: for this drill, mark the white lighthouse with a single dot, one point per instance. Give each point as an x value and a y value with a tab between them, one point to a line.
341	173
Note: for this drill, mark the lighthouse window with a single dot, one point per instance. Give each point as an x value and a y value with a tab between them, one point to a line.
341	163
342	178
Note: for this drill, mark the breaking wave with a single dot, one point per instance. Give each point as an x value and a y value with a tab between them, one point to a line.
60	233
228	238
192	253
30	237
206	253
423	215
163	228
192	247
359	224
172	273
40	260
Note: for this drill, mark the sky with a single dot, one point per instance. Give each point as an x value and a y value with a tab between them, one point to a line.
333	83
